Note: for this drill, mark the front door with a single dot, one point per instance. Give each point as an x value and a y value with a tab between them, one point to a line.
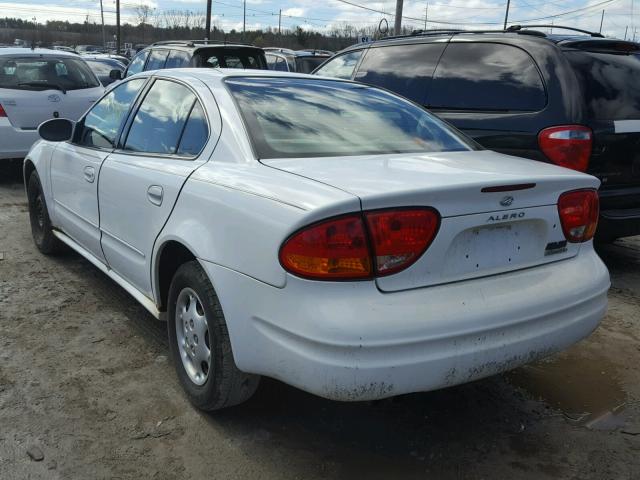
75	167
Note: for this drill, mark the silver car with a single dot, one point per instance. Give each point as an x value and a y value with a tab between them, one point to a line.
36	85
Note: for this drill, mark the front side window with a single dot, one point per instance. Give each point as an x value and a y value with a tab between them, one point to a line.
157	59
403	69
289	118
486	77
100	126
137	64
36	73
160	121
308	64
341	66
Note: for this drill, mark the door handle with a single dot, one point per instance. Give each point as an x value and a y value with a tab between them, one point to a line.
89	174
155	194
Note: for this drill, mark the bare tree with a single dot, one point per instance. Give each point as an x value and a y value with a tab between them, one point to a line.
143	12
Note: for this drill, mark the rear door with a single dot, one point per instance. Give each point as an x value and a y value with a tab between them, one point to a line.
75	166
37	88
610	84
140	182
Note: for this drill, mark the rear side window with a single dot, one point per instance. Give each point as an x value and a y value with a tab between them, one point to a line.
177	59
404	69
308	64
341	66
157	58
159	122
42	73
487	77
137	64
100	126
195	132
610	84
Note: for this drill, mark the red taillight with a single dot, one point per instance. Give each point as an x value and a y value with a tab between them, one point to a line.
343	249
2	112
568	145
400	237
333	249
579	211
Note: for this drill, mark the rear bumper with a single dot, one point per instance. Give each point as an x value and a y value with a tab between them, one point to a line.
15	142
619	213
349	341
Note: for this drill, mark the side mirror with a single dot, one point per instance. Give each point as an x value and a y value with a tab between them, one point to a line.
115	74
56	130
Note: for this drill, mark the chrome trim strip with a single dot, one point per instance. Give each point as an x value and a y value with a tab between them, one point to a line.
626	126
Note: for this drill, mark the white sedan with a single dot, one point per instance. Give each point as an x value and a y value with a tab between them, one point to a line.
325	233
36	85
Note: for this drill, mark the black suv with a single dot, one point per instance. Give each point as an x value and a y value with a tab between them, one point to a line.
302	61
197	53
571	100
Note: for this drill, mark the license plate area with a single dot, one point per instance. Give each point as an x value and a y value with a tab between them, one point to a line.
496	247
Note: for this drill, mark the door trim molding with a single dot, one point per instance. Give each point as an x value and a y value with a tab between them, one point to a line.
145	301
70	210
119	240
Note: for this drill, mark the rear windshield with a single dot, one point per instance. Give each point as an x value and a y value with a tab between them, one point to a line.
610	83
37	73
309	64
232	58
294	117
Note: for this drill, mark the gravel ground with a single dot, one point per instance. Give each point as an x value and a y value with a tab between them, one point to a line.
87	392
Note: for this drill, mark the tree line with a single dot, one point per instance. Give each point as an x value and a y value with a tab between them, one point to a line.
155	26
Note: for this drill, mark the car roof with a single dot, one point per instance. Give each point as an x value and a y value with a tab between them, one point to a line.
297	53
23	51
193	46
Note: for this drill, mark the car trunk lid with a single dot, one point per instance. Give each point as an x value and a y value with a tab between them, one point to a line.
498	212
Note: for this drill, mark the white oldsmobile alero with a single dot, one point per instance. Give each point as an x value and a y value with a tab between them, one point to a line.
322	232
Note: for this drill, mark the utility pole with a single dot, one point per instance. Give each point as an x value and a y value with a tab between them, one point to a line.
506	15
118	27
625	31
207	34
104	40
601	20
426	14
279	21
397	28
244	18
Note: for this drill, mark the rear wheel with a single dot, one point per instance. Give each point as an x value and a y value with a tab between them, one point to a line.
199	343
41	229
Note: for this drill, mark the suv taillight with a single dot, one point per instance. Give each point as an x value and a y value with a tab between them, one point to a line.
360	246
567	145
2	112
579	210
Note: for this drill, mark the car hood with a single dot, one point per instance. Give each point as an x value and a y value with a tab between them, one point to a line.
450	181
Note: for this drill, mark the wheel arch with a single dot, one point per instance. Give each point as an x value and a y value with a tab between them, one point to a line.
171	254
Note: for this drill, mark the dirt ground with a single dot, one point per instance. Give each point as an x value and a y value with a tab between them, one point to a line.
86	384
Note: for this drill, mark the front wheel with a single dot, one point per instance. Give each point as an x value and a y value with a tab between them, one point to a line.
199	343
41	228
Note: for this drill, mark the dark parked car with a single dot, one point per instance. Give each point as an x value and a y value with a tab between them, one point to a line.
573	100
102	66
197	53
302	61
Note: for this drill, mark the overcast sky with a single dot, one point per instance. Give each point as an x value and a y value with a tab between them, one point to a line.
323	14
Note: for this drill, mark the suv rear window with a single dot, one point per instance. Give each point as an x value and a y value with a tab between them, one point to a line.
610	83
404	69
36	73
291	118
232	58
487	77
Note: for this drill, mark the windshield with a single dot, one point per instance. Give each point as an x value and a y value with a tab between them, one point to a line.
309	64
294	117
41	73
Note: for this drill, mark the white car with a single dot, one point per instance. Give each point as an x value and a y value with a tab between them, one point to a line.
322	232
36	85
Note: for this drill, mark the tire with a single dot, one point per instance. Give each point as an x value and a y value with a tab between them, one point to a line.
41	229
196	325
